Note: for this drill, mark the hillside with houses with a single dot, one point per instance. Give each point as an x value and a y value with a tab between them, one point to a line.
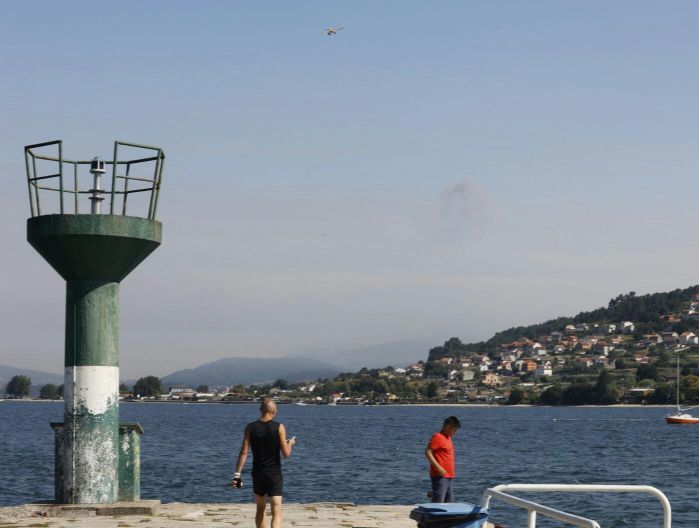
623	353
626	352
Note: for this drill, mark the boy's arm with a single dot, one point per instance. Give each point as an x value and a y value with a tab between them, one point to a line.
429	454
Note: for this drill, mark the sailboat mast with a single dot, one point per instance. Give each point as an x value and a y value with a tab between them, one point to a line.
678	383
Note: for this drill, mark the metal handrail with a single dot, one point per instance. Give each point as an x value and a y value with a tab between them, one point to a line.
533	508
152	184
498	492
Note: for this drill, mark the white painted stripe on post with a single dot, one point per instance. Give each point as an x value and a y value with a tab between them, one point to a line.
92	388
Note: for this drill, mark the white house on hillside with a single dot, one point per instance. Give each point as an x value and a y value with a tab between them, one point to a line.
467	374
544	369
627	327
689	338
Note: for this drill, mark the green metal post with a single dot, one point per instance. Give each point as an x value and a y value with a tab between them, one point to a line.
130	461
58	465
60	173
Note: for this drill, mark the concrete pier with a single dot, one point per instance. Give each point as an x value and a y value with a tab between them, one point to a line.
181	515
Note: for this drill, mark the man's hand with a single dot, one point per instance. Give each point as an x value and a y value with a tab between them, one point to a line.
236	481
441	471
292	441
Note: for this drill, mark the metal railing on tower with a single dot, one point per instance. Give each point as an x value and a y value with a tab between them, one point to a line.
50	175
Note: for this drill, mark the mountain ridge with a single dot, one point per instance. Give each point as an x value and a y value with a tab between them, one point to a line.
394	353
248	371
38	377
650	313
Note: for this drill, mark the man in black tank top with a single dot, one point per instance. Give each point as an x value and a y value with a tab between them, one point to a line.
268	442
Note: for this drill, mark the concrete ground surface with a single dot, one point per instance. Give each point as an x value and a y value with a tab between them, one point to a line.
181	515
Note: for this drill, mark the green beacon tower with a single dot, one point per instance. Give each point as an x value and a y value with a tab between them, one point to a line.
93	246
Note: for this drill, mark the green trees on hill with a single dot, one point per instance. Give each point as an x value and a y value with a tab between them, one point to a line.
49	392
647	309
664	394
553	395
530	332
431	390
148	387
644	310
281	384
603	392
18	386
689	387
516	397
451	348
647	371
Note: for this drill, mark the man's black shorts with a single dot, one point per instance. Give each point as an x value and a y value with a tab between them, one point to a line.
269	484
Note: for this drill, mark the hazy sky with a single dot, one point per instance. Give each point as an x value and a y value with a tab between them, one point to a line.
435	169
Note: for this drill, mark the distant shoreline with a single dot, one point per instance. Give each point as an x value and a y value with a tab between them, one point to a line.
431	404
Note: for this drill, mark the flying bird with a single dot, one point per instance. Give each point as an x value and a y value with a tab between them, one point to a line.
332	30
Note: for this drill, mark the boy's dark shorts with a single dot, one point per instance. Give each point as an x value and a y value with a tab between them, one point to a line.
269	484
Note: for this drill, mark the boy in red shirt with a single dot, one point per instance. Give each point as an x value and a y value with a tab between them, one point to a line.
440	453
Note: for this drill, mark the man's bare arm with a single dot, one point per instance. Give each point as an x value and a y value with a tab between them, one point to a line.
284	444
429	454
243	453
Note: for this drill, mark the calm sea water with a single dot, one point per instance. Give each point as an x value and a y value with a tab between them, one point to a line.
374	455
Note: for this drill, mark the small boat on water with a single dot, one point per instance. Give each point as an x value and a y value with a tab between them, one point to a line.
681	416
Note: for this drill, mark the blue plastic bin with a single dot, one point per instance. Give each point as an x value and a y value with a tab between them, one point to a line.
449	515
